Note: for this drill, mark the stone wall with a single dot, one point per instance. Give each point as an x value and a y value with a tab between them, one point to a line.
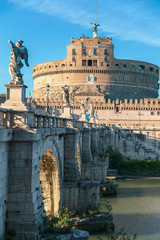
4	147
130	144
115	78
95	170
81	196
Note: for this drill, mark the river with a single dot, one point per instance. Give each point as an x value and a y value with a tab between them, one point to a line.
136	207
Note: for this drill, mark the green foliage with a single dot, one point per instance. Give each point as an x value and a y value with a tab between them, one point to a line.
115	158
63	221
92	213
132	166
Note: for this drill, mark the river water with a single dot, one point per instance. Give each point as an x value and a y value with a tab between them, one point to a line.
136	207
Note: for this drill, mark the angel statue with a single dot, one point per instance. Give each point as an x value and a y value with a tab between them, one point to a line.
83	105
66	94
95	25
18	52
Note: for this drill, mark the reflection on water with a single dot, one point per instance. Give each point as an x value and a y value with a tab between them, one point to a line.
137	208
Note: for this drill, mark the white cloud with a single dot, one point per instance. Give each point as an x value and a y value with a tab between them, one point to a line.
136	20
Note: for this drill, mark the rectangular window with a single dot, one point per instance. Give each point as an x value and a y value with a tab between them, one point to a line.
84	63
105	51
95	51
73	51
95	63
84	51
101	64
73	59
117	65
152	113
105	58
89	63
132	66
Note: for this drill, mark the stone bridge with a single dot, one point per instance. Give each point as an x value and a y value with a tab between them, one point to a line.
50	163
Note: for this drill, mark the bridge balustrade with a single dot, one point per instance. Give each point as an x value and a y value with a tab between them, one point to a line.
10	118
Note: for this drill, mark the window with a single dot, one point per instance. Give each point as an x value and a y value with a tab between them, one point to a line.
84	51
105	58
89	63
95	51
117	65
158	113
152	113
95	63
151	69
141	67
73	59
105	51
101	64
124	65
73	51
84	63
132	66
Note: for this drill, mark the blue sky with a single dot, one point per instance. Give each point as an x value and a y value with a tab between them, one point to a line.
46	27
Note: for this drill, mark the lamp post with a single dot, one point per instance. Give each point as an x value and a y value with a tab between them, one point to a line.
48	86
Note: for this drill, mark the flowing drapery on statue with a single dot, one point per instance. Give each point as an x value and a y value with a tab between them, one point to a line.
95	25
18	52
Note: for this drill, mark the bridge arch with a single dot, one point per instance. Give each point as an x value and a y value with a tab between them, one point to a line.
50	175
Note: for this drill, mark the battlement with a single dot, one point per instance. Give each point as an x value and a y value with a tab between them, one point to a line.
90	62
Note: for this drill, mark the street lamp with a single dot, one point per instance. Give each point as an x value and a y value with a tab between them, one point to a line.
48	86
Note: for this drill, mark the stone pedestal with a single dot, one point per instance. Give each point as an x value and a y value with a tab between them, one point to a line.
16	94
92	120
20	112
83	117
66	112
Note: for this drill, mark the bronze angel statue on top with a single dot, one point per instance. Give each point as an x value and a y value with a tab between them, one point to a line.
18	52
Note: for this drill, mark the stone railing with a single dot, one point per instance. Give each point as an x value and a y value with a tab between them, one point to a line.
54	121
11	119
6	118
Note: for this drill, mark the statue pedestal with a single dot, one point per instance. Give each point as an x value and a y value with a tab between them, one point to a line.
92	120
95	34
66	112
83	117
22	114
16	95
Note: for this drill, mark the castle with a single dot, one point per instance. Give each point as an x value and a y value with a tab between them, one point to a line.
122	92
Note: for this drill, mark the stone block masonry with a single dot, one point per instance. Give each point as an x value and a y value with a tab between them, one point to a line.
38	174
4	152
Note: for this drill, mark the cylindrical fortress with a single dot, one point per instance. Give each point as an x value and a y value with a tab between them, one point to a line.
91	69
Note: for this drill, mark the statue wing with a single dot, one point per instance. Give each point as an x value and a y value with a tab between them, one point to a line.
24	55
